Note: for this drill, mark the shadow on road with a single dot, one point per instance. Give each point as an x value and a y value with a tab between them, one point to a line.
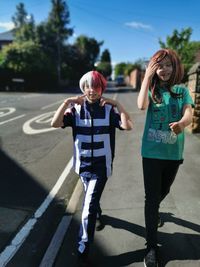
20	197
173	246
177	246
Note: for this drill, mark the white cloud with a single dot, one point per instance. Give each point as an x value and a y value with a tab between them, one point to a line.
138	25
7	25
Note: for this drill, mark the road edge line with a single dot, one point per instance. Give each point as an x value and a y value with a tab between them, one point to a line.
8	253
56	242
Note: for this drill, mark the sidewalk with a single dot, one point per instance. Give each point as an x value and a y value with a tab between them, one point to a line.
122	241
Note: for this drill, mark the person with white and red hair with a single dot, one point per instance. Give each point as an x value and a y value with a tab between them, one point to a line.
93	119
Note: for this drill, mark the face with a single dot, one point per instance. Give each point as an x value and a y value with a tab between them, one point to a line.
92	94
165	69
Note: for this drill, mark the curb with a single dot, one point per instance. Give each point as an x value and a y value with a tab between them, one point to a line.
56	242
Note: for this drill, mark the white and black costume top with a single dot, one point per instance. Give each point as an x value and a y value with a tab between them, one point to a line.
93	128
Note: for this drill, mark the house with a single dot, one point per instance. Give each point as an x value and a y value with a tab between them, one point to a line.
6	38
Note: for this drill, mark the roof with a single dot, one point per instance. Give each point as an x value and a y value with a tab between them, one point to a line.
7	36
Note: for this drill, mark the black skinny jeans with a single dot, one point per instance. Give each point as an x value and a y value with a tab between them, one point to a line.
158	178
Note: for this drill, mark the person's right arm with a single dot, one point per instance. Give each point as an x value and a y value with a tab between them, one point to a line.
57	120
143	97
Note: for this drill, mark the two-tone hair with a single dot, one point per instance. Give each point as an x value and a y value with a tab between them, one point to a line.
93	79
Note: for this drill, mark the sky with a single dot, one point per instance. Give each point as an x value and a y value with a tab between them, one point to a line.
130	29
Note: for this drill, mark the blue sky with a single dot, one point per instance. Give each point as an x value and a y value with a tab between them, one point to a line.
130	29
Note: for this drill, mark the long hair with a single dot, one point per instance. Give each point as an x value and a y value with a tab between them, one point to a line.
176	76
93	79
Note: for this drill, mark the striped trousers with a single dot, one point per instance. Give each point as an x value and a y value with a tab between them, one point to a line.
91	209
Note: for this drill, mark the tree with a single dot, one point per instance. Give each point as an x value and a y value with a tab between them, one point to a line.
104	66
24	24
23	57
105	57
120	69
20	17
130	67
26	60
89	50
180	42
56	32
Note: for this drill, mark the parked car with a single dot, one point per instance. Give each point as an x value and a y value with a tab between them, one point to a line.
120	81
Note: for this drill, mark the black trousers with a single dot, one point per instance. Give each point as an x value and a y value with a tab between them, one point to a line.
158	178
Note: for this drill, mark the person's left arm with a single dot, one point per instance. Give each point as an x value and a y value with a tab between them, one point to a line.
126	122
178	127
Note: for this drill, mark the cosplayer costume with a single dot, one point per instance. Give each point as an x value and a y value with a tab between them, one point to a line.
93	128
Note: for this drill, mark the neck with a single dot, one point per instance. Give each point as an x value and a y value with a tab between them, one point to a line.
92	101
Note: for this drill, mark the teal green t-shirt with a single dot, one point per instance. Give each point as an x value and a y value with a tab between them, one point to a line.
158	140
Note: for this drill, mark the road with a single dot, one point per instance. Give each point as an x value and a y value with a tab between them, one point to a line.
35	184
33	158
122	241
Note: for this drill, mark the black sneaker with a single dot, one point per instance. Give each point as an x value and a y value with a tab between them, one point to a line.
83	260
99	224
150	259
160	223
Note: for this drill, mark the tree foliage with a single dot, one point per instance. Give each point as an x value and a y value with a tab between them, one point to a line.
120	69
88	49
105	56
105	66
57	31
24	57
20	16
44	48
186	49
24	24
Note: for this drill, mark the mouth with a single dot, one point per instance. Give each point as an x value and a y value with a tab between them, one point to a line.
165	76
92	95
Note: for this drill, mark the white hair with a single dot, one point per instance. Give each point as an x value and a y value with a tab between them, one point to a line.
86	79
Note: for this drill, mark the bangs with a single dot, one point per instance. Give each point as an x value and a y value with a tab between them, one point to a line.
160	56
98	80
88	79
93	79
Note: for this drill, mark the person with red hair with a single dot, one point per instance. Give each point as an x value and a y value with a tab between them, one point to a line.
93	119
169	111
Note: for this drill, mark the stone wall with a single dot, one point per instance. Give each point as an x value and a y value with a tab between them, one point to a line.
194	87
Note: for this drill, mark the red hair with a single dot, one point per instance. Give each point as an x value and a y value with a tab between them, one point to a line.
98	80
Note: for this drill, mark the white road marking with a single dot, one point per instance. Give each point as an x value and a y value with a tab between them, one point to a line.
115	96
53	248
12	119
42	118
51	105
9	111
8	253
30	95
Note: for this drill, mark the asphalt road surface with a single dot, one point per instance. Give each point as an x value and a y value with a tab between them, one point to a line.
37	183
36	176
